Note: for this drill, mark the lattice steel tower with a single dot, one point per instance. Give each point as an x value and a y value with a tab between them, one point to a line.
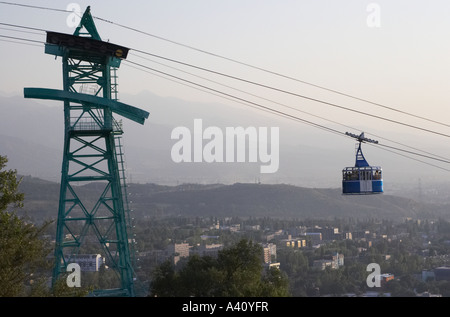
92	218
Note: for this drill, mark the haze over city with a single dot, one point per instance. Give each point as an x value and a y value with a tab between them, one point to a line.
389	53
242	149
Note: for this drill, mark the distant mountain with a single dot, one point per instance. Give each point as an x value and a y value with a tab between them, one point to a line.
31	135
30	158
283	201
243	200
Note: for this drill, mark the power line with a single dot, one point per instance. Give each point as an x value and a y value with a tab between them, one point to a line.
278	112
33	6
410	152
238	62
294	94
21	39
271	72
190	86
235	97
23	27
231	98
267	86
411	158
253	104
16	42
281	104
244	100
21	31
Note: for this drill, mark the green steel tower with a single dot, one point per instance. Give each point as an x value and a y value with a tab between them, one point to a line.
93	207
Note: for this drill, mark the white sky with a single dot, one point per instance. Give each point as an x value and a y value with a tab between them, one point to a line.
403	63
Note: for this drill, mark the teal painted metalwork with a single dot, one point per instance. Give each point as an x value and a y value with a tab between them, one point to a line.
130	112
95	220
88	24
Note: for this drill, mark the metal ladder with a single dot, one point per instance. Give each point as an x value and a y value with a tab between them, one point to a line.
140	289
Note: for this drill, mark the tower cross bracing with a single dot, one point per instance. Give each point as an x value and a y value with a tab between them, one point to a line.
93	217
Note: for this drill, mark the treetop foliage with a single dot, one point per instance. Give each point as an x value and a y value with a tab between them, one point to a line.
236	272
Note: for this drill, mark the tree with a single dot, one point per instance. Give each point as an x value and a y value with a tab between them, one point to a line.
23	252
200	277
275	284
165	281
237	272
242	267
9	186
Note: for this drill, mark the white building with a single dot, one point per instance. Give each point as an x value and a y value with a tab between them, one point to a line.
269	252
178	251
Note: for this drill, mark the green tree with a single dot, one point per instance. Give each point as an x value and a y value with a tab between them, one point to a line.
165	281
242	267
60	289
9	187
200	277
237	272
23	252
275	284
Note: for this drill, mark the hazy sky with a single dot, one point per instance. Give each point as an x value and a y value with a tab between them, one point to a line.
391	52
402	62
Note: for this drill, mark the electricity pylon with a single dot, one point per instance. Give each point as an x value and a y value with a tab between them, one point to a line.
93	217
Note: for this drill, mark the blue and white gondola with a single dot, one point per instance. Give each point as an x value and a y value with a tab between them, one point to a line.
362	178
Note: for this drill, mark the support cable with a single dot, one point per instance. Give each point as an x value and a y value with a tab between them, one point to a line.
278	112
249	102
301	96
275	102
270	87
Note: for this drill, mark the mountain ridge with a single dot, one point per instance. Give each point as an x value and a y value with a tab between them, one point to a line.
238	200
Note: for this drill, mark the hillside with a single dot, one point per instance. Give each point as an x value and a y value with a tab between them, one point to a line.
283	201
243	200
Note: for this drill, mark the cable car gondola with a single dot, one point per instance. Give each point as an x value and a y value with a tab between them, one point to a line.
362	178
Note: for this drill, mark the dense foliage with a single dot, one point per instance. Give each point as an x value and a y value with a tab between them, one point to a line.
237	272
22	250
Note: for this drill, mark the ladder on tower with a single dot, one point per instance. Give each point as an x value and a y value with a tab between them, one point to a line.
114	84
121	163
139	288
